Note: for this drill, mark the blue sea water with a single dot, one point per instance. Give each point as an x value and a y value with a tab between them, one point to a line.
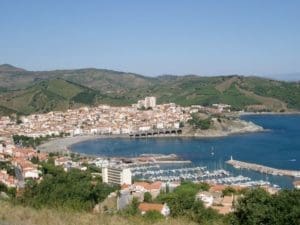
278	147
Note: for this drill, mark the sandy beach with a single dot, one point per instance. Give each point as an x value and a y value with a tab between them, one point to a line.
64	144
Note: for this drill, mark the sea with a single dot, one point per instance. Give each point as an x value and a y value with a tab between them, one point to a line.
277	146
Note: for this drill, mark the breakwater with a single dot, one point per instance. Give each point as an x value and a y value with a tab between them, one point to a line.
263	169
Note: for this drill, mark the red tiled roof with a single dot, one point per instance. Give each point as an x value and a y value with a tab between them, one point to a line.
144	207
149	186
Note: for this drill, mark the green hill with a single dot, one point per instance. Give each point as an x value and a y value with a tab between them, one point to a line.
50	95
42	91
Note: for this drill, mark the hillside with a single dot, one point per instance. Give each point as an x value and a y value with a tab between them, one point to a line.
42	91
50	95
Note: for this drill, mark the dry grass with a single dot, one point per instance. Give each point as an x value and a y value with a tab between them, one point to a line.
18	215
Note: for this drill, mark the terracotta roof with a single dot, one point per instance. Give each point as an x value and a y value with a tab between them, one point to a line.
221	187
297	182
124	186
149	186
144	207
223	209
217	187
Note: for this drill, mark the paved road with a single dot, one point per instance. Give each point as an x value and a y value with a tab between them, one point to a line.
20	178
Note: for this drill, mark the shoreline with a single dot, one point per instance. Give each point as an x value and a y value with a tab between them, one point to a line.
64	145
269	113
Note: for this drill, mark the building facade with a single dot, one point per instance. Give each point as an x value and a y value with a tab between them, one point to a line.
116	175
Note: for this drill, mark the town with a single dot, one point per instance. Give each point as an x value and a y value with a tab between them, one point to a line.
21	162
144	116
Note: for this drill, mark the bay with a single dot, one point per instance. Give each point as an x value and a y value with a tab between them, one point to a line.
278	147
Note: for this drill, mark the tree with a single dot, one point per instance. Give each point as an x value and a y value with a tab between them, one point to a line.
259	207
133	208
199	123
147	197
75	190
228	191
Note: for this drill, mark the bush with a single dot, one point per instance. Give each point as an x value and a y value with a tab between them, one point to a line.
147	197
73	190
259	207
198	123
153	216
133	208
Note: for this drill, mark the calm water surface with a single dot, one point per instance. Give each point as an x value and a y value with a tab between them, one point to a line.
278	147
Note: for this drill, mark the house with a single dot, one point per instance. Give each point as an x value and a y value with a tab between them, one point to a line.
7	179
31	172
206	197
153	188
226	205
161	208
297	184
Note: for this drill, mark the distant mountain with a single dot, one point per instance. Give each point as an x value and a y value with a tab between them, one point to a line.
42	91
287	76
4	68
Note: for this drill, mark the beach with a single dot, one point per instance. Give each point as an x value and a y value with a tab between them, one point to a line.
63	145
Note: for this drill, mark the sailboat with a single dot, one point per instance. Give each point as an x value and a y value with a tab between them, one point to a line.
212	151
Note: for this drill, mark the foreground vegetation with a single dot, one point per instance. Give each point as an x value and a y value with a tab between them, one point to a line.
73	190
20	215
70	197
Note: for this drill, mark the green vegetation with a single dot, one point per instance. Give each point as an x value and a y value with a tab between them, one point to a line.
75	190
26	141
153	216
20	215
8	167
11	192
147	197
229	191
259	207
199	123
182	203
27	92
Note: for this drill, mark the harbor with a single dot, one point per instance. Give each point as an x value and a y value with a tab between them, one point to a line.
196	174
263	169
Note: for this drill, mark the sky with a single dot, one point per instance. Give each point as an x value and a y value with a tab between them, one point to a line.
204	37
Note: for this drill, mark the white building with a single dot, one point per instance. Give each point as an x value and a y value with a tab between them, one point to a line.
150	102
206	197
162	208
116	175
297	184
31	173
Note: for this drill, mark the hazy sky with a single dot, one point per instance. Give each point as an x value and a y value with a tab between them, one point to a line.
153	37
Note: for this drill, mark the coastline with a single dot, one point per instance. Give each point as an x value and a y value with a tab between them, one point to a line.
269	113
64	145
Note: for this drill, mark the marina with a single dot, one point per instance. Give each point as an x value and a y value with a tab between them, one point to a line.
196	174
278	148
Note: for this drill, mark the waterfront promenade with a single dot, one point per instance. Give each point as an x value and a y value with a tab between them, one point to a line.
263	169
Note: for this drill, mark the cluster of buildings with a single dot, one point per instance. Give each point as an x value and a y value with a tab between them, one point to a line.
20	159
121	175
7	179
105	119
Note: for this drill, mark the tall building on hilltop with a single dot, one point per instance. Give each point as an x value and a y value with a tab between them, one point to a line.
150	102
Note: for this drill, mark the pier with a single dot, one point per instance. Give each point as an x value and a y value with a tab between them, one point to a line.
263	169
155	132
